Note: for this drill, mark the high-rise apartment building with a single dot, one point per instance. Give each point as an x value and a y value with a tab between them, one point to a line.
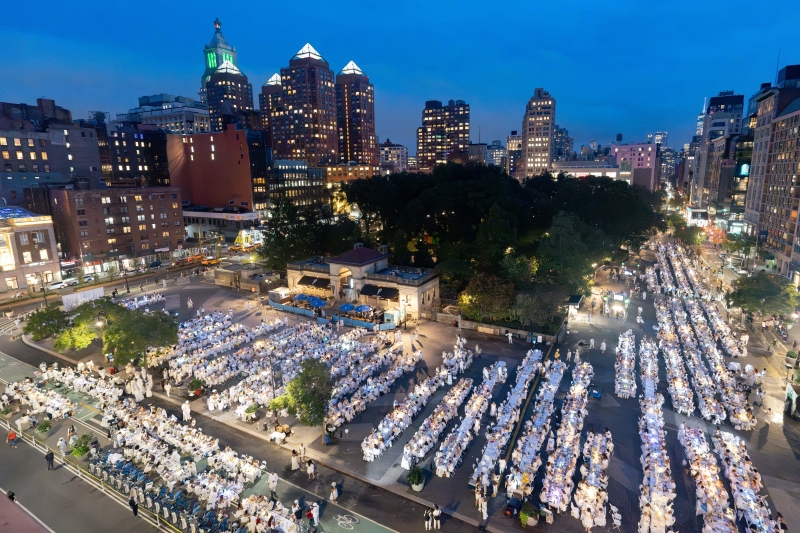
393	157
497	154
562	144
444	130
230	97
174	114
41	147
215	54
773	194
355	111
304	127
269	104
513	152
723	118
538	126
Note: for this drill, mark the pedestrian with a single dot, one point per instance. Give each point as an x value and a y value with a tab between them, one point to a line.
334	492
167	388
577	357
603	346
295	460
768	416
569	356
510	336
11	438
62	446
187	411
315	513
437	513
301	452
591	343
428	519
189	303
588	318
759	397
49	457
640	310
310	469
249	306
134	506
273	485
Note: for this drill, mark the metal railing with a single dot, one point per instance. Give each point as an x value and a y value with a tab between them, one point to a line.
311	267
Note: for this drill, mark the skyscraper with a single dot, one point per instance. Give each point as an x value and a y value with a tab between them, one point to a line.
269	102
562	144
305	125
497	154
229	96
215	54
444	130
394	157
355	110
537	134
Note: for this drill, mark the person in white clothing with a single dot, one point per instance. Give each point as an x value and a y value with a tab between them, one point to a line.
603	347
187	411
591	343
334	492
510	336
273	485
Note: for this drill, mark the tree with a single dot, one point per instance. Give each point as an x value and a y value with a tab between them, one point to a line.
688	235
565	257
487	297
519	269
540	307
46	322
77	337
129	339
308	394
289	234
771	293
735	243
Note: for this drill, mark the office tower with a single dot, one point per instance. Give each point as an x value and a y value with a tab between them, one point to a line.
497	154
773	191
537	134
393	157
478	153
41	147
355	110
269	104
444	130
513	152
660	137
215	54
562	144
304	128
229	96
175	114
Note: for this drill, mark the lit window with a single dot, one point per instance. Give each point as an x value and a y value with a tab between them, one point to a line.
26	257
43	255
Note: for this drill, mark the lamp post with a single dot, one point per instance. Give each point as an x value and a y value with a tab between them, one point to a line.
44	290
102	319
406	305
125	275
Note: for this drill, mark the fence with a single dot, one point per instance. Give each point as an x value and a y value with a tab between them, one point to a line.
345	320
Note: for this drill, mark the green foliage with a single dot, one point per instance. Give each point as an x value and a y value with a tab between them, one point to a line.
81	447
308	393
129	338
791	354
77	337
683	232
487	297
415	476
519	269
566	258
252	409
779	295
46	322
735	244
540	307
44	426
195	384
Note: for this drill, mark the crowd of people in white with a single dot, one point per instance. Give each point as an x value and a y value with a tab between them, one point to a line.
448	457
507	416
526	458
558	484
393	425
625	365
657	489
39	400
591	496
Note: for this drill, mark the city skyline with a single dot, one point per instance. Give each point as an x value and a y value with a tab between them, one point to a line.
108	71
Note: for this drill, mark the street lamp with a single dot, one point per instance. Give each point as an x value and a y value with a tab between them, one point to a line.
44	290
102	319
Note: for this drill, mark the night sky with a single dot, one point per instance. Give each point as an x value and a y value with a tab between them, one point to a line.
623	67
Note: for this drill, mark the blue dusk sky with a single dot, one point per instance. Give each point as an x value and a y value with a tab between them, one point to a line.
629	67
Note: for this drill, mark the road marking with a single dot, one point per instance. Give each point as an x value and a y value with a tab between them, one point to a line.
29	513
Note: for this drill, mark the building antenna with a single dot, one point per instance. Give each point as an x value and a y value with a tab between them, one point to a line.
777	66
479	134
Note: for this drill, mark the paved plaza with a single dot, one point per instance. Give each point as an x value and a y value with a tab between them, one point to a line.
376	493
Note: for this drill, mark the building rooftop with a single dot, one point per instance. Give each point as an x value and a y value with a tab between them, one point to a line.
791	108
308	52
358	256
228	68
218	40
274	80
7	213
352	68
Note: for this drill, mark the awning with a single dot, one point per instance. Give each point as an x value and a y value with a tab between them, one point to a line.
317	283
387	293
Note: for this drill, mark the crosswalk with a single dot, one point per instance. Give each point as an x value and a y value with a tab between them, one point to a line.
7	326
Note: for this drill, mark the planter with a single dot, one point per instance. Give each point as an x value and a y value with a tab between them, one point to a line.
533	520
195	393
791	362
6	416
418	488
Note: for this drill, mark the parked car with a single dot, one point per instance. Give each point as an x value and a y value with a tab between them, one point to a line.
155	264
88	278
56	285
71	282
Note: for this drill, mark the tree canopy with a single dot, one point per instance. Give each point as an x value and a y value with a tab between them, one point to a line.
308	393
125	333
770	293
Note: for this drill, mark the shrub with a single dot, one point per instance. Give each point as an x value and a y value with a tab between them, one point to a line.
415	476
791	354
252	409
44	426
195	384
